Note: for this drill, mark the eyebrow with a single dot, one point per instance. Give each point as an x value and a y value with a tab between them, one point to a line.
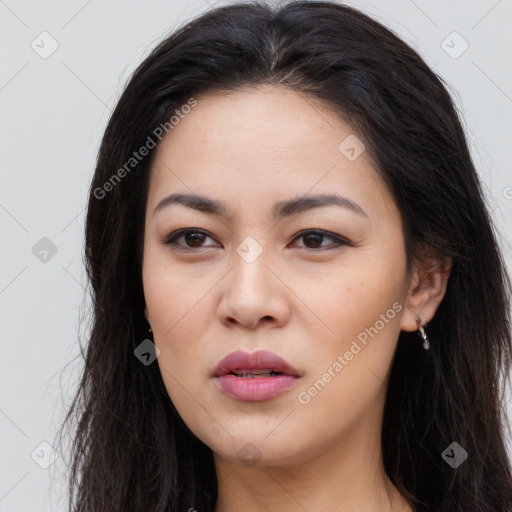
279	211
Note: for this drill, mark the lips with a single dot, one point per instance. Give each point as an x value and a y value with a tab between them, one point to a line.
255	376
256	363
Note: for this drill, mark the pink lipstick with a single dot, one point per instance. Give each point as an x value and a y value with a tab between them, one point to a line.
254	376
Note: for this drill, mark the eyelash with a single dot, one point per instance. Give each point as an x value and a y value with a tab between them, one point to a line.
338	241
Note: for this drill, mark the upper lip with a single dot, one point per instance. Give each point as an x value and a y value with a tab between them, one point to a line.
258	360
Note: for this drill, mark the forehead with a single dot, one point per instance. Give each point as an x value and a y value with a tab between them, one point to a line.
263	142
251	122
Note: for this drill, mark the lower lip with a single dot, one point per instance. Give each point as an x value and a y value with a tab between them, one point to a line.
255	389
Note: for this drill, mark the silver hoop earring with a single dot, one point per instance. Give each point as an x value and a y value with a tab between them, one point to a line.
426	343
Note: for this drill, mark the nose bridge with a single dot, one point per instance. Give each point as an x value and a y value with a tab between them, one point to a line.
250	276
252	291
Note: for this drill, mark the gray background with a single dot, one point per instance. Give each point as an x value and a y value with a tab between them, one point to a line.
54	111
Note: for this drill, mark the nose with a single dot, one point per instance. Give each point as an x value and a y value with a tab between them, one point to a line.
254	295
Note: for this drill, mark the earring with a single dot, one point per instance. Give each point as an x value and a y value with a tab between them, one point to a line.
426	344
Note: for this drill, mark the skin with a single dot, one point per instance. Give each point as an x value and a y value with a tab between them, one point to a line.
303	298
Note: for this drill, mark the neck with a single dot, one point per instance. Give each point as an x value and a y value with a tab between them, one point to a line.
345	477
292	489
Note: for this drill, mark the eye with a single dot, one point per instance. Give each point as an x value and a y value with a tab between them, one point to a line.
193	237
314	237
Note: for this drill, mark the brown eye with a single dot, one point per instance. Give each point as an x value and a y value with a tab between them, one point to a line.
313	239
193	239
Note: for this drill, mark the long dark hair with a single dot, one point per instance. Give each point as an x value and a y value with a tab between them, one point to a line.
131	450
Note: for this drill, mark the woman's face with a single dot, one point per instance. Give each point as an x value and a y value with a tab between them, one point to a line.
322	284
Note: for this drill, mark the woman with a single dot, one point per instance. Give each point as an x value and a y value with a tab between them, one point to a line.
299	302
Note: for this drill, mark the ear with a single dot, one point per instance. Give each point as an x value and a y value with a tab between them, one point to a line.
426	291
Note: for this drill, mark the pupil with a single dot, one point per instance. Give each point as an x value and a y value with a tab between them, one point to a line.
194	239
315	236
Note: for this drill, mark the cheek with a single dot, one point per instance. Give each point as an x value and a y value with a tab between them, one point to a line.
347	377
360	304
345	299
178	311
178	322
172	294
